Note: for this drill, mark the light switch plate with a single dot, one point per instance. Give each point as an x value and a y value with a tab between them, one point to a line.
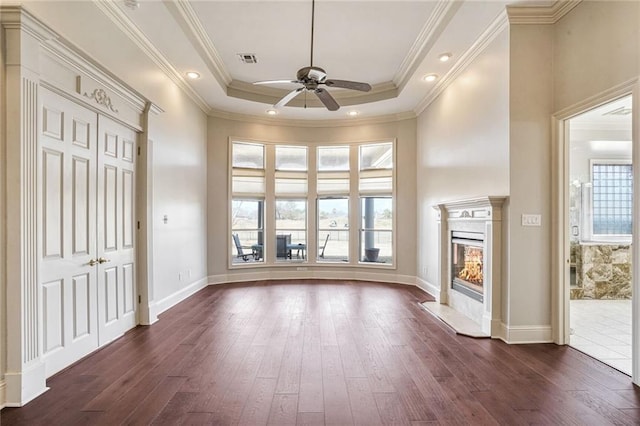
531	220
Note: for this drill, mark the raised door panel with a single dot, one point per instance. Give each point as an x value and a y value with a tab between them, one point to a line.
53	307
116	228
67	231
81	306
52	203
81	204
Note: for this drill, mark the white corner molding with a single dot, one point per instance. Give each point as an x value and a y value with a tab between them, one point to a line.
343	275
442	13
346	122
160	306
122	21
540	14
428	288
523	334
482	42
200	40
3	394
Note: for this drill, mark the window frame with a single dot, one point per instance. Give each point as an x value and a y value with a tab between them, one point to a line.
624	238
312	196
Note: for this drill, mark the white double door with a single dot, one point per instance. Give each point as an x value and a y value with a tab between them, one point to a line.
87	235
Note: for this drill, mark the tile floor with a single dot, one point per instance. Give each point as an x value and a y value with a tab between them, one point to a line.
602	329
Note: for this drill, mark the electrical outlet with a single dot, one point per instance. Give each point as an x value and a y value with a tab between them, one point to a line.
531	220
188	273
179	276
301	268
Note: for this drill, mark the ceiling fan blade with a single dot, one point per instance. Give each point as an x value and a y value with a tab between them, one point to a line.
288	97
326	98
345	84
275	81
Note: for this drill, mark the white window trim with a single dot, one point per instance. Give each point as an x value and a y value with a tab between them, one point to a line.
269	232
587	200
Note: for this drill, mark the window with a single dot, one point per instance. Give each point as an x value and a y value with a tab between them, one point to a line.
247	205
247	229
612	198
376	235
376	203
333	230
291	230
298	202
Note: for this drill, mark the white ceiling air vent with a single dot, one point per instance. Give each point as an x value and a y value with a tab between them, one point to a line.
248	58
132	4
619	111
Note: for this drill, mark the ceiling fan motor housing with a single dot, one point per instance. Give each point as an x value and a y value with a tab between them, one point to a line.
316	74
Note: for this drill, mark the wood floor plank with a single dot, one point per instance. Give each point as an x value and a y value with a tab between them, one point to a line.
256	409
310	419
284	409
337	410
325	352
311	394
153	404
363	405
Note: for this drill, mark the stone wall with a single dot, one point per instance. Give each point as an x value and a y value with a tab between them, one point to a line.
603	271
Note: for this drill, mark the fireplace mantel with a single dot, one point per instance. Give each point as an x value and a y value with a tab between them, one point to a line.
482	215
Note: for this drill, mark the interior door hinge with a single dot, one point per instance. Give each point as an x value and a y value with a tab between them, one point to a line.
139	299
138	150
138	224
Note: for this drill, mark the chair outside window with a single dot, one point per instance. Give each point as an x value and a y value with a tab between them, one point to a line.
324	246
255	252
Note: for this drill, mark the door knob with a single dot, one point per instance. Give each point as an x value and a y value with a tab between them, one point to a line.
93	262
102	260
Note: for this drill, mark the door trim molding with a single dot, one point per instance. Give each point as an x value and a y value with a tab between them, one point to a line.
560	202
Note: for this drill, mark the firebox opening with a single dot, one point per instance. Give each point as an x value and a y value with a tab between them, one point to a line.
467	264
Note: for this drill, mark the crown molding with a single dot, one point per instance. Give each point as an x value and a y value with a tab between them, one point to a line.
540	15
187	18
346	122
16	17
438	20
270	95
493	30
122	21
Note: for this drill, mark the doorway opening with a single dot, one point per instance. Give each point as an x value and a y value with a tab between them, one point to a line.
600	219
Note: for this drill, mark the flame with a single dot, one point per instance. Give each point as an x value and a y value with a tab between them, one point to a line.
472	271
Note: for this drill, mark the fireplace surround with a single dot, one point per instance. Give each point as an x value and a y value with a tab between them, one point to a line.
469	259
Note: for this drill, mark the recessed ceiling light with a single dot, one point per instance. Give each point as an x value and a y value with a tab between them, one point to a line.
445	57
193	75
272	112
430	77
353	113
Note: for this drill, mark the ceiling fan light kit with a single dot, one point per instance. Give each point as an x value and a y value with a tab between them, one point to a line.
312	77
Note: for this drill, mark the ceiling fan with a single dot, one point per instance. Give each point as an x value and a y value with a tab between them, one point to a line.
312	78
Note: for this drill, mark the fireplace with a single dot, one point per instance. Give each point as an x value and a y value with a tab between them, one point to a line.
467	264
469	260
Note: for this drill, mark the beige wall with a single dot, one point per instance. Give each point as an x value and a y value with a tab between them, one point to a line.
463	149
596	47
221	129
528	274
179	157
3	288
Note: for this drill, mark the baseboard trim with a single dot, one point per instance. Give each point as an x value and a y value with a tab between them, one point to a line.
25	386
156	308
429	288
3	394
522	334
305	275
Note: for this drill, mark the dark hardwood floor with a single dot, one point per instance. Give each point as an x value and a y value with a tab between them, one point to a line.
340	353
